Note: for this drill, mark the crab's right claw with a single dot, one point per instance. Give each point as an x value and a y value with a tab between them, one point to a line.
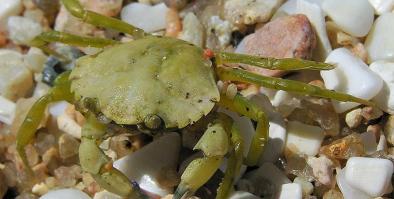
214	143
94	161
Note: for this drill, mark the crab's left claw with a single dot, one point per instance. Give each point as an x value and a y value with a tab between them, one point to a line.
60	91
94	161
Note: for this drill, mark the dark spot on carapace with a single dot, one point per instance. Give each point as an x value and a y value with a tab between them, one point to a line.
199	101
247	109
213	131
187	95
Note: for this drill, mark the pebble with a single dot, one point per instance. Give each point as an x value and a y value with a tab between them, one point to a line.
380	41
35	60
16	80
317	17
382	144
354	118
65	194
322	168
371	113
9	8
348	191
68	146
307	187
303	139
385	98
7	110
106	195
22	30
270	173
354	17
249	12
369	141
149	18
193	30
351	76
382	6
290	190
361	173
146	166
285	37
389	129
242	195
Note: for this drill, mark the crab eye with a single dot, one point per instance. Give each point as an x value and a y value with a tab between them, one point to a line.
152	121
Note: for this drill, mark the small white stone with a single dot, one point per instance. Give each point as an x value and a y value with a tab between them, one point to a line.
354	17
192	30
322	168
65	194
369	175
147	164
369	142
382	6
291	190
146	17
285	102
7	110
35	60
351	76
348	191
69	126
242	195
40	189
22	30
354	118
303	139
9	8
58	108
307	187
382	144
316	16
385	98
380	40
269	172
106	195
16	79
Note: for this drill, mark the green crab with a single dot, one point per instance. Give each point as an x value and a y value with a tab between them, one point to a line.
162	83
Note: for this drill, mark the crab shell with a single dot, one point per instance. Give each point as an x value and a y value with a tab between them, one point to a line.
159	76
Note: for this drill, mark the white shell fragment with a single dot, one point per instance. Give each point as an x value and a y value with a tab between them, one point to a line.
8	8
385	98
22	29
354	17
65	194
149	18
351	76
369	175
382	6
303	139
290	190
380	40
147	164
7	110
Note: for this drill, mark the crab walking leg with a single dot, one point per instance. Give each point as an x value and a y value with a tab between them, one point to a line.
94	161
286	85
271	63
55	36
27	131
234	164
76	9
214	144
245	107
